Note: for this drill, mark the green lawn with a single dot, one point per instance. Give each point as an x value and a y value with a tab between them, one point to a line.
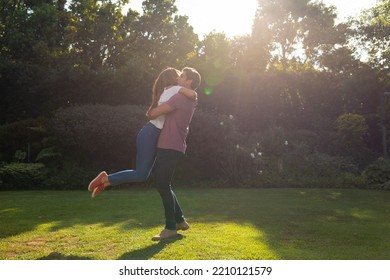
268	224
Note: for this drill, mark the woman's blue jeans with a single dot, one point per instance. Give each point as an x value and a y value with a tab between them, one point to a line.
146	154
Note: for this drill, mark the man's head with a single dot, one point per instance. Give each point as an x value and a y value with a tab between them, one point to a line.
189	78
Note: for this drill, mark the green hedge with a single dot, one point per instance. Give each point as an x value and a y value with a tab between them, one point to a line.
22	176
22	136
104	136
101	135
378	174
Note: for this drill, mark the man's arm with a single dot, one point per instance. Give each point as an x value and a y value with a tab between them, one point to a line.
158	111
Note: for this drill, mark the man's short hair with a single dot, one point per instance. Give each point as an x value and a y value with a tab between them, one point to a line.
193	75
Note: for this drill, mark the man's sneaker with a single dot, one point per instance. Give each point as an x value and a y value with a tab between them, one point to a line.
182	226
166	233
97	190
97	181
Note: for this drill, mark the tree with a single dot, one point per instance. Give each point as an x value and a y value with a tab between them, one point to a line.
31	35
95	31
296	31
371	38
162	37
214	54
30	29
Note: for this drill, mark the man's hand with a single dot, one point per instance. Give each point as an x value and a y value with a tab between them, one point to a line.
158	111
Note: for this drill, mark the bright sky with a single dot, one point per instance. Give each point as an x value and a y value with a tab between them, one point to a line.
235	17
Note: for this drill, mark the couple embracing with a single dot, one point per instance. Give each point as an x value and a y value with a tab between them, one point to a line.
161	143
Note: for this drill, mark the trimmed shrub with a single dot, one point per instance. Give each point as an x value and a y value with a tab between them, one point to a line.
70	176
99	134
212	148
20	136
50	156
378	174
22	175
310	171
349	141
105	136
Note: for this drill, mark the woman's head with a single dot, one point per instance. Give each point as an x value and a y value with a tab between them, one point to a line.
168	77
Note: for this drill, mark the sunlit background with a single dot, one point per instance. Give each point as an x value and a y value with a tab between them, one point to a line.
235	17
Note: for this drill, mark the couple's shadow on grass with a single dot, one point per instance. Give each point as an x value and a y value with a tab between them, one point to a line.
140	254
150	251
59	256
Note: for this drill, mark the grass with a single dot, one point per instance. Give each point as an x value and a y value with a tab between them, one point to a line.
303	224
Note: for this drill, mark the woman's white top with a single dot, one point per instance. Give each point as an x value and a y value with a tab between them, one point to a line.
165	96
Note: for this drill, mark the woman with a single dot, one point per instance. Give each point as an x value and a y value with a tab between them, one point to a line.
164	88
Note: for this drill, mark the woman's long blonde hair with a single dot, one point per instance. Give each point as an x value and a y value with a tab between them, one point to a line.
168	77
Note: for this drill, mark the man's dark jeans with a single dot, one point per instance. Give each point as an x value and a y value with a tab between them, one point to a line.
166	161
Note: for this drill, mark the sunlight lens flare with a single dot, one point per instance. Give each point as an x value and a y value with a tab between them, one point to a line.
208	91
214	76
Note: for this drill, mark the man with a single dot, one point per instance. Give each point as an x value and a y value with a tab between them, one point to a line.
171	147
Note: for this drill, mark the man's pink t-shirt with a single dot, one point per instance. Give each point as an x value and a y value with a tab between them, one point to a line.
176	126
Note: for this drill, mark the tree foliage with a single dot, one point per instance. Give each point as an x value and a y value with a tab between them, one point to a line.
373	35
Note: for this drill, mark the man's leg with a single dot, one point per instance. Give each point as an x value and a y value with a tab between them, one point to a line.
166	162
179	217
